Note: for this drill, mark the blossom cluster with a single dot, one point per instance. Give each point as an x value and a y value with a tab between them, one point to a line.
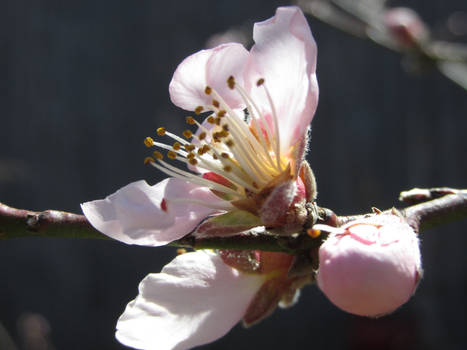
245	171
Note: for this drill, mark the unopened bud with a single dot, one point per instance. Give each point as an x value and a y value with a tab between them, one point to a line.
370	267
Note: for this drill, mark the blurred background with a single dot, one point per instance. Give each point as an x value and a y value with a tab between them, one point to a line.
84	82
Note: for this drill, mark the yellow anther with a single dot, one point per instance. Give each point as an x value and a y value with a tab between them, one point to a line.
225	127
225	155
224	133
190	120
218	121
203	150
189	147
221	113
231	82
260	82
187	134
181	251
227	168
313	233
192	161
176	146
202	135
161	131
211	119
171	154
148	160
190	155
215	103
198	110
215	156
229	143
148	142
158	155
207	90
255	185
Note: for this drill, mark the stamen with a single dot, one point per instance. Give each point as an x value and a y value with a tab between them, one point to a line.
170	148
188	134
148	160
249	100
215	103
276	126
260	82
171	155
161	131
186	176
158	155
176	146
207	90
148	142
231	82
189	147
198	110
190	120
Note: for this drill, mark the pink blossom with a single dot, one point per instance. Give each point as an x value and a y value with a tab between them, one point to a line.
244	172
371	266
236	166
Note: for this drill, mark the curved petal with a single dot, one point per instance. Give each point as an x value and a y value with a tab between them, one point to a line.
284	55
135	214
196	299
211	68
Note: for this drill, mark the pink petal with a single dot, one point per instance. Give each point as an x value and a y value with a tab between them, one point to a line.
284	55
195	300
134	215
212	68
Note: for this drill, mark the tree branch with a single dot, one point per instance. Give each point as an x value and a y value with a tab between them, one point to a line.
451	206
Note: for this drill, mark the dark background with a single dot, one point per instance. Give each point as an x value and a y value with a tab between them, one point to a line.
83	82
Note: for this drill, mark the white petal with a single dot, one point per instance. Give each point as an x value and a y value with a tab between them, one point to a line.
195	300
133	214
284	55
208	67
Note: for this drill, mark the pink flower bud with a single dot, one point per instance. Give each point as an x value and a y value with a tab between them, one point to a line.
370	267
405	26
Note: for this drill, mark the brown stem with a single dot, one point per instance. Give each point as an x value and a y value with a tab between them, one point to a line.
448	208
16	223
50	223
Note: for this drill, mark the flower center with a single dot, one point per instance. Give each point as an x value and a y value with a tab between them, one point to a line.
240	146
